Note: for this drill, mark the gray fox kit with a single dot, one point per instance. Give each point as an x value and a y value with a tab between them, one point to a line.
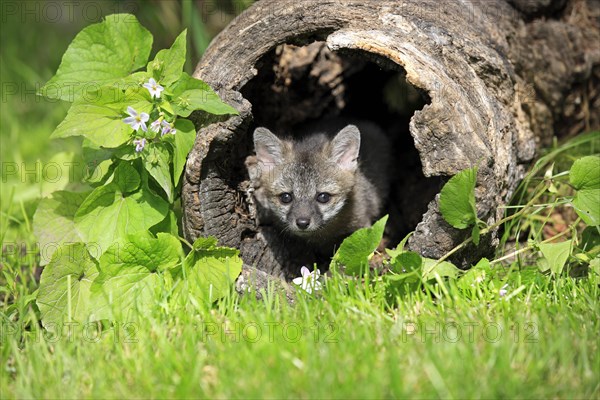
323	185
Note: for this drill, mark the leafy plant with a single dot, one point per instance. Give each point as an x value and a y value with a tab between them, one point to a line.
110	247
408	271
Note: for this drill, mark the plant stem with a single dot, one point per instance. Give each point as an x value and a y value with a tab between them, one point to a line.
531	246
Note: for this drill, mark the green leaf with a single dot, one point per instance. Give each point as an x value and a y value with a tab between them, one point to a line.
168	225
590	239
406	262
101	120
457	199
142	249
585	173
190	94
126	178
97	160
587	205
211	270
585	177
432	267
355	250
556	254
65	283
128	280
53	222
183	142
156	162
107	215
205	243
167	66
99	55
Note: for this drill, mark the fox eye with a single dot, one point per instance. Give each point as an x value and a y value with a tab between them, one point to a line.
285	198
323	197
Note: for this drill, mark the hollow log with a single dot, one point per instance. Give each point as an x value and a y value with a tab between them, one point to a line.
453	84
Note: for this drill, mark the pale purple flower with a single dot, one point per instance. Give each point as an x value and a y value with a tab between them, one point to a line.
167	128
309	280
136	120
155	126
154	88
139	144
502	292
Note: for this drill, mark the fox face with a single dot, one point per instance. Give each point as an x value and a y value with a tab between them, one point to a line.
305	185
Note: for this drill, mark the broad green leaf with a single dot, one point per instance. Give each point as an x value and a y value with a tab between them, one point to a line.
406	262
101	120
355	250
97	160
190	94
107	215
99	55
556	254
133	289
587	205
168	224
156	162
205	243
167	66
431	267
457	199
585	177
126	178
590	239
211	270
53	222
183	141
142	249
64	293
585	173
128	279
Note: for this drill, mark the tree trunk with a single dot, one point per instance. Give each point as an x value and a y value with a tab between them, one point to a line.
453	84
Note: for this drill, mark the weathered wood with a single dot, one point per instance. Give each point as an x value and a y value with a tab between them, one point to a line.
494	78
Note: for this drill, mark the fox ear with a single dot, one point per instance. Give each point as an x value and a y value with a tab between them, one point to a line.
345	148
268	147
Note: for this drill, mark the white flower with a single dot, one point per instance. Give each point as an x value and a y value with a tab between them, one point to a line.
167	128
502	292
139	144
155	126
154	88
309	280
136	120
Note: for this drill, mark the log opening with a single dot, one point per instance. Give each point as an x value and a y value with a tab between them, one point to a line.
481	100
299	84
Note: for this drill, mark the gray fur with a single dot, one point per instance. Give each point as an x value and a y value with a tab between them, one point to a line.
350	164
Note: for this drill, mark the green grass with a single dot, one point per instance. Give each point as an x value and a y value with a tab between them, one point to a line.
538	343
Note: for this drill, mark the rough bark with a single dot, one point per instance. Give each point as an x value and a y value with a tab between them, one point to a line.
495	79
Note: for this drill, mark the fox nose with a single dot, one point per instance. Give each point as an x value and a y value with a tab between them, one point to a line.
303	223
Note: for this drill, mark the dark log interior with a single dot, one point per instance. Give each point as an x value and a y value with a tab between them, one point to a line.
363	86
